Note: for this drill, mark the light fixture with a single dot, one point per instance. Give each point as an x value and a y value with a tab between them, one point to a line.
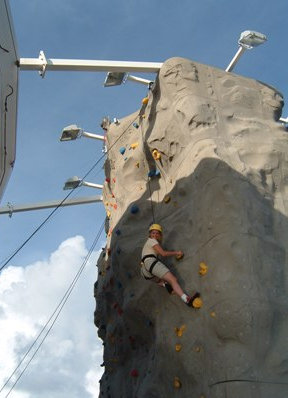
75	182
248	40
116	78
73	132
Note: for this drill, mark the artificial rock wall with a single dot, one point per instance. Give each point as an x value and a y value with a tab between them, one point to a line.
218	185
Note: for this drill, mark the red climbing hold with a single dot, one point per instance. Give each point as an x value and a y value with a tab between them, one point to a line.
134	373
107	179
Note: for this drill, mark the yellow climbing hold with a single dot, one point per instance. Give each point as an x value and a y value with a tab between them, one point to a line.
134	145
179	256
179	331
197	349
203	269
213	314
177	382
145	101
197	302
137	164
178	347
156	154
143	116
108	214
167	199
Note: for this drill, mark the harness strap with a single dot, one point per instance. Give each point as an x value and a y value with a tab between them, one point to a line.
151	266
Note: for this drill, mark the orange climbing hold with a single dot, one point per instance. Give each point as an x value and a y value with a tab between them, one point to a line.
145	101
177	382
203	269
179	331
179	256
156	154
197	303
178	347
134	145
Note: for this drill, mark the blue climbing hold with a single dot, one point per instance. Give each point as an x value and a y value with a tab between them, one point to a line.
134	209
118	251
118	232
136	125
119	285
154	173
122	150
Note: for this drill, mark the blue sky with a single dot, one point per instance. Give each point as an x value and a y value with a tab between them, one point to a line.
205	31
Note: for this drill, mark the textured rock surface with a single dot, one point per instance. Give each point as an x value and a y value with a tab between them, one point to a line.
224	166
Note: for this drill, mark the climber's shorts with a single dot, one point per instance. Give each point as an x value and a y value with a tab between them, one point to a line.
159	269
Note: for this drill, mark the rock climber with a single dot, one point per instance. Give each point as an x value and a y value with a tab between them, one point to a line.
154	270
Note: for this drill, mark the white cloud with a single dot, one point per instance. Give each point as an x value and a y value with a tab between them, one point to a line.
67	364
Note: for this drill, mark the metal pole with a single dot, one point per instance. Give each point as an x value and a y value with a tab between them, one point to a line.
95	136
91	185
235	59
42	64
10	209
139	80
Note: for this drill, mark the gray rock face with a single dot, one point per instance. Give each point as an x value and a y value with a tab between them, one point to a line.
221	197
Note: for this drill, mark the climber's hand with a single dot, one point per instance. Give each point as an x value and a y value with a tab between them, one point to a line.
179	255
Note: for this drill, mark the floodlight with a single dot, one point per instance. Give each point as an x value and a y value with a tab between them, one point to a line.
73	132
75	182
117	78
248	40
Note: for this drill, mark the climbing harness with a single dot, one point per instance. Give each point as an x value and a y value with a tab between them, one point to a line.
151	266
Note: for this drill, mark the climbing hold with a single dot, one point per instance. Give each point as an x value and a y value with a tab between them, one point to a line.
197	303
118	232
108	251
119	285
179	331
134	209
114	179
156	154
197	349
145	101
177	382
134	373
137	164
115	206
178	347
107	179
106	203
122	150
108	214
213	314
118	251
136	125
154	173
134	145
143	116
167	199
125	158
203	269
179	256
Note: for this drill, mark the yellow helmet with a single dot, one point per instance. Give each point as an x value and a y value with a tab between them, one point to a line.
155	227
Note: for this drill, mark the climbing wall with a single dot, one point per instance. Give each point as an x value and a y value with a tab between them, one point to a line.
206	158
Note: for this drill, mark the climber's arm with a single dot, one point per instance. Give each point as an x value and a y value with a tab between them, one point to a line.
166	253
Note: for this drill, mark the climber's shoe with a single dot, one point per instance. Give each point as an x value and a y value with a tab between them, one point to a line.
191	299
168	287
